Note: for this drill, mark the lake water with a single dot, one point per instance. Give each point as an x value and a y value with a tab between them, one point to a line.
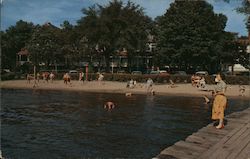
56	124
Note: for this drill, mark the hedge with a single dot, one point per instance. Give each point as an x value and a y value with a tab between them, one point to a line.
143	78
8	76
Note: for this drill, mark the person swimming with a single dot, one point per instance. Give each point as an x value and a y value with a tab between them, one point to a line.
109	105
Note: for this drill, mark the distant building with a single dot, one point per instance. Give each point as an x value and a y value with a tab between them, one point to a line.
23	57
244	41
120	62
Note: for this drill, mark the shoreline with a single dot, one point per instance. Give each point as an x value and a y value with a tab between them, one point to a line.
120	87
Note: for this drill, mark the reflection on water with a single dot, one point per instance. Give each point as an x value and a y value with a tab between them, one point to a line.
56	124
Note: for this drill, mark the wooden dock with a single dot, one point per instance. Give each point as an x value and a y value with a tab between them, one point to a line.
232	142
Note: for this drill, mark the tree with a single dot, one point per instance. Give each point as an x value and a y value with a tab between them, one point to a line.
69	39
244	8
13	40
115	27
190	35
44	45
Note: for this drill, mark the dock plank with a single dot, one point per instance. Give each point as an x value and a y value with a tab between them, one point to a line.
239	146
245	153
229	139
179	152
190	146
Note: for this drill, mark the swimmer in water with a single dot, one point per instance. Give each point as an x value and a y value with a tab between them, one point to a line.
109	105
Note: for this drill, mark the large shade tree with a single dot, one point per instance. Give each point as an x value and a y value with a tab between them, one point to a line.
245	56
69	39
44	45
115	26
191	34
13	40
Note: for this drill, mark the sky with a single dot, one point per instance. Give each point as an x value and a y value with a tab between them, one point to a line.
56	11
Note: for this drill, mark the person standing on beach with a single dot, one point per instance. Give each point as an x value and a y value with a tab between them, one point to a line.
83	79
149	85
66	78
100	78
38	76
46	76
51	76
220	100
81	76
29	77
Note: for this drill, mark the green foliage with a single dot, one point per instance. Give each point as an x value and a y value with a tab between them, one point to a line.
241	80
245	7
8	76
115	27
13	40
44	45
72	48
190	33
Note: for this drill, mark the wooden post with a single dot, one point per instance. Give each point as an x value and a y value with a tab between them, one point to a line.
34	76
87	70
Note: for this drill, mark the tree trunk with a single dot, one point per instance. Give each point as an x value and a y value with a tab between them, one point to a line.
107	61
99	64
233	69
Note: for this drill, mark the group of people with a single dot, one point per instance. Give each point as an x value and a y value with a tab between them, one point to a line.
46	76
198	81
219	103
131	84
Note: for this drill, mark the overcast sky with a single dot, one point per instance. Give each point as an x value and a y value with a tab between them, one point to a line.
56	11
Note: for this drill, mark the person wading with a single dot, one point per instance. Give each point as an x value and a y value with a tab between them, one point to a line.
220	100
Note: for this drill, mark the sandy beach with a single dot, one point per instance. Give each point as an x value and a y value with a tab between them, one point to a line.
120	87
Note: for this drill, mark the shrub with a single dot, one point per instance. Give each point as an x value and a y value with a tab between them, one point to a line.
8	76
181	78
243	80
174	78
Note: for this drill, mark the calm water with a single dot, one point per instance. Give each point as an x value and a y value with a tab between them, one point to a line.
55	124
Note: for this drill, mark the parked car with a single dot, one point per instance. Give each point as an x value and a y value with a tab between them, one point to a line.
121	72
6	74
201	73
5	71
136	73
155	72
163	71
73	72
182	73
